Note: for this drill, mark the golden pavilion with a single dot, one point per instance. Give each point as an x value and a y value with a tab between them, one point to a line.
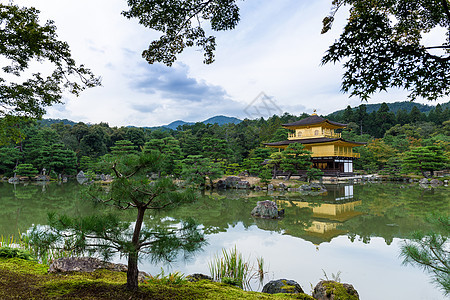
330	153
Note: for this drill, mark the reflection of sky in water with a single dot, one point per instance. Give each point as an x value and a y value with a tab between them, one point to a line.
378	213
374	269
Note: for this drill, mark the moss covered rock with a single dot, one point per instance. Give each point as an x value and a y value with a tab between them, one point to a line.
282	286
332	290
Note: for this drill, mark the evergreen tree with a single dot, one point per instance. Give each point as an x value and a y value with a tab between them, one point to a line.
196	169
348	115
415	115
295	158
58	159
26	170
430	251
425	159
314	174
361	117
170	149
9	158
274	163
214	148
123	147
107	234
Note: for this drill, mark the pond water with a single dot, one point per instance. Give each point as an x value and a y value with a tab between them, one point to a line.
353	229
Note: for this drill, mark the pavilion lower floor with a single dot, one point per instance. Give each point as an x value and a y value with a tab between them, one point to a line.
334	166
330	166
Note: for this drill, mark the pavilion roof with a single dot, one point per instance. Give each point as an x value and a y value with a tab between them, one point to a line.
311	120
311	141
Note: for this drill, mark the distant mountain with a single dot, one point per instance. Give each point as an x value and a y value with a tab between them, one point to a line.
174	125
48	122
220	120
394	107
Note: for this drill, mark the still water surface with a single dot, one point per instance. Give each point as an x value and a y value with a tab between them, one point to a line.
354	229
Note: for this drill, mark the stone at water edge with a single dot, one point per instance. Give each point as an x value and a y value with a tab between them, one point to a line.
197	277
83	264
329	290
243	185
282	286
88	264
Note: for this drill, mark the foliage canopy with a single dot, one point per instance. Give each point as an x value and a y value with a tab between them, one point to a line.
383	46
181	25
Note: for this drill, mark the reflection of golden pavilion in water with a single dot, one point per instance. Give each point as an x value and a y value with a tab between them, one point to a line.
337	207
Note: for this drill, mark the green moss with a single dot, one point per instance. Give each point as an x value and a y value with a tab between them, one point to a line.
339	291
287	287
20	279
19	265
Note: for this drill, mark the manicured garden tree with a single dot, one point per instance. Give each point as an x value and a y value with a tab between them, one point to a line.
9	156
106	235
295	158
27	170
430	251
265	176
274	163
86	163
425	159
254	163
60	160
123	147
314	174
170	148
215	149
197	168
393	168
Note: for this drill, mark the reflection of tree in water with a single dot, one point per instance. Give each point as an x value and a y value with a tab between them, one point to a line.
296	219
25	192
394	210
376	210
217	213
24	205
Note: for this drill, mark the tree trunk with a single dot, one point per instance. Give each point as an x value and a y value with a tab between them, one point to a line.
289	176
132	273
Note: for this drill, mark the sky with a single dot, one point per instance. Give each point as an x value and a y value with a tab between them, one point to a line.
269	64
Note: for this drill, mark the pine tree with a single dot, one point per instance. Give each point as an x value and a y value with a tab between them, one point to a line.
295	158
425	159
107	234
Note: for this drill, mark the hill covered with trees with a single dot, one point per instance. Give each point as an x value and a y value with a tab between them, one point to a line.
66	148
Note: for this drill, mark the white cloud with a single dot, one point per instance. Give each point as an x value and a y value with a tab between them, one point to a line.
276	48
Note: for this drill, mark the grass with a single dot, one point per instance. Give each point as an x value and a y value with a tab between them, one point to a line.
23	279
233	269
22	242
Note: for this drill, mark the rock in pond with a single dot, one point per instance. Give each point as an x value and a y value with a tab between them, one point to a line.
436	182
329	290
282	286
313	187
424	181
265	209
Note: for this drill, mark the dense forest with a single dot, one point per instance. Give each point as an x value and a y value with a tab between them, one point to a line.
210	150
